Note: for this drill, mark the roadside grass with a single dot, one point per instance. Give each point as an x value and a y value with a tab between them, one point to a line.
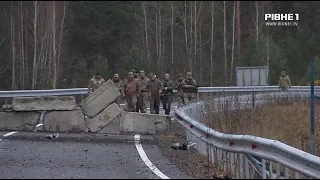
285	121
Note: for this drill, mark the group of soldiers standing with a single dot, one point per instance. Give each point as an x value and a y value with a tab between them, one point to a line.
138	89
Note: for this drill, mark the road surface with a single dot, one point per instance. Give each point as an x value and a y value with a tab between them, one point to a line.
31	155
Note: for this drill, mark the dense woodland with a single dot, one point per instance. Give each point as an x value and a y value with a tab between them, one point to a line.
61	44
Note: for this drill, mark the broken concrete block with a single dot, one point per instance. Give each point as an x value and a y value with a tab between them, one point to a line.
101	98
45	103
112	127
103	119
144	123
18	121
64	121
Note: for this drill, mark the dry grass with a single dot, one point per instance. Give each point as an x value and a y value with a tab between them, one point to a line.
288	122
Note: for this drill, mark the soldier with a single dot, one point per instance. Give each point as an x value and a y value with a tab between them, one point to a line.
135	74
131	91
119	84
284	81
168	86
143	98
95	82
190	89
179	89
154	87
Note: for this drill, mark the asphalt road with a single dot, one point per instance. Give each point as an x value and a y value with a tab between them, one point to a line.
31	155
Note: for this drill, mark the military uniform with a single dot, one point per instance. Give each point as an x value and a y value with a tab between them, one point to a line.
131	90
168	87
284	81
143	97
154	86
119	85
179	89
94	84
190	89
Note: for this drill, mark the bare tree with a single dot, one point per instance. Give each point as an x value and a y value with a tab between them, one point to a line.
34	68
55	67
225	43
211	44
61	33
22	61
238	30
195	35
172	68
146	31
232	50
13	50
268	58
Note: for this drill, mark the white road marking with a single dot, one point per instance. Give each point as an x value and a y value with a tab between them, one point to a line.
145	158
10	133
38	125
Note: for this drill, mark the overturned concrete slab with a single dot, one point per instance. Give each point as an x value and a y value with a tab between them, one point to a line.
144	123
101	98
18	121
64	121
112	127
97	123
45	103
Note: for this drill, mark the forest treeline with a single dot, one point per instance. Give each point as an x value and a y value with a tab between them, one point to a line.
61	44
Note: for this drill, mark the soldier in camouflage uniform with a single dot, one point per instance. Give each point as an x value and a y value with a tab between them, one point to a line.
178	87
284	81
144	97
135	74
95	82
168	87
190	89
154	87
119	84
136	77
131	91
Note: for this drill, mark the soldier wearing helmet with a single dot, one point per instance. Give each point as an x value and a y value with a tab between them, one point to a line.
190	88
284	81
144	96
178	87
95	82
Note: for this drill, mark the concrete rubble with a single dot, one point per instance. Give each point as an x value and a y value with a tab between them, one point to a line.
144	123
100	99
98	113
97	123
18	121
45	103
64	121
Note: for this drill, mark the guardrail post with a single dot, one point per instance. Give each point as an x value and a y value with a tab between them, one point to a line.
253	99
312	107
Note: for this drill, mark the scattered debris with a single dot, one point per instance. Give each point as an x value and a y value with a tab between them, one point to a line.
184	146
52	136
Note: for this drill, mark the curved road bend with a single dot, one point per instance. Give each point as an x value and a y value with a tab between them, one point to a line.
31	155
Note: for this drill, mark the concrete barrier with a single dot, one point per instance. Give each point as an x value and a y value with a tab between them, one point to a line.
45	103
64	121
144	123
101	98
18	121
97	123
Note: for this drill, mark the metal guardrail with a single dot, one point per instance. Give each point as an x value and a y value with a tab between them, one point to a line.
234	152
84	91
